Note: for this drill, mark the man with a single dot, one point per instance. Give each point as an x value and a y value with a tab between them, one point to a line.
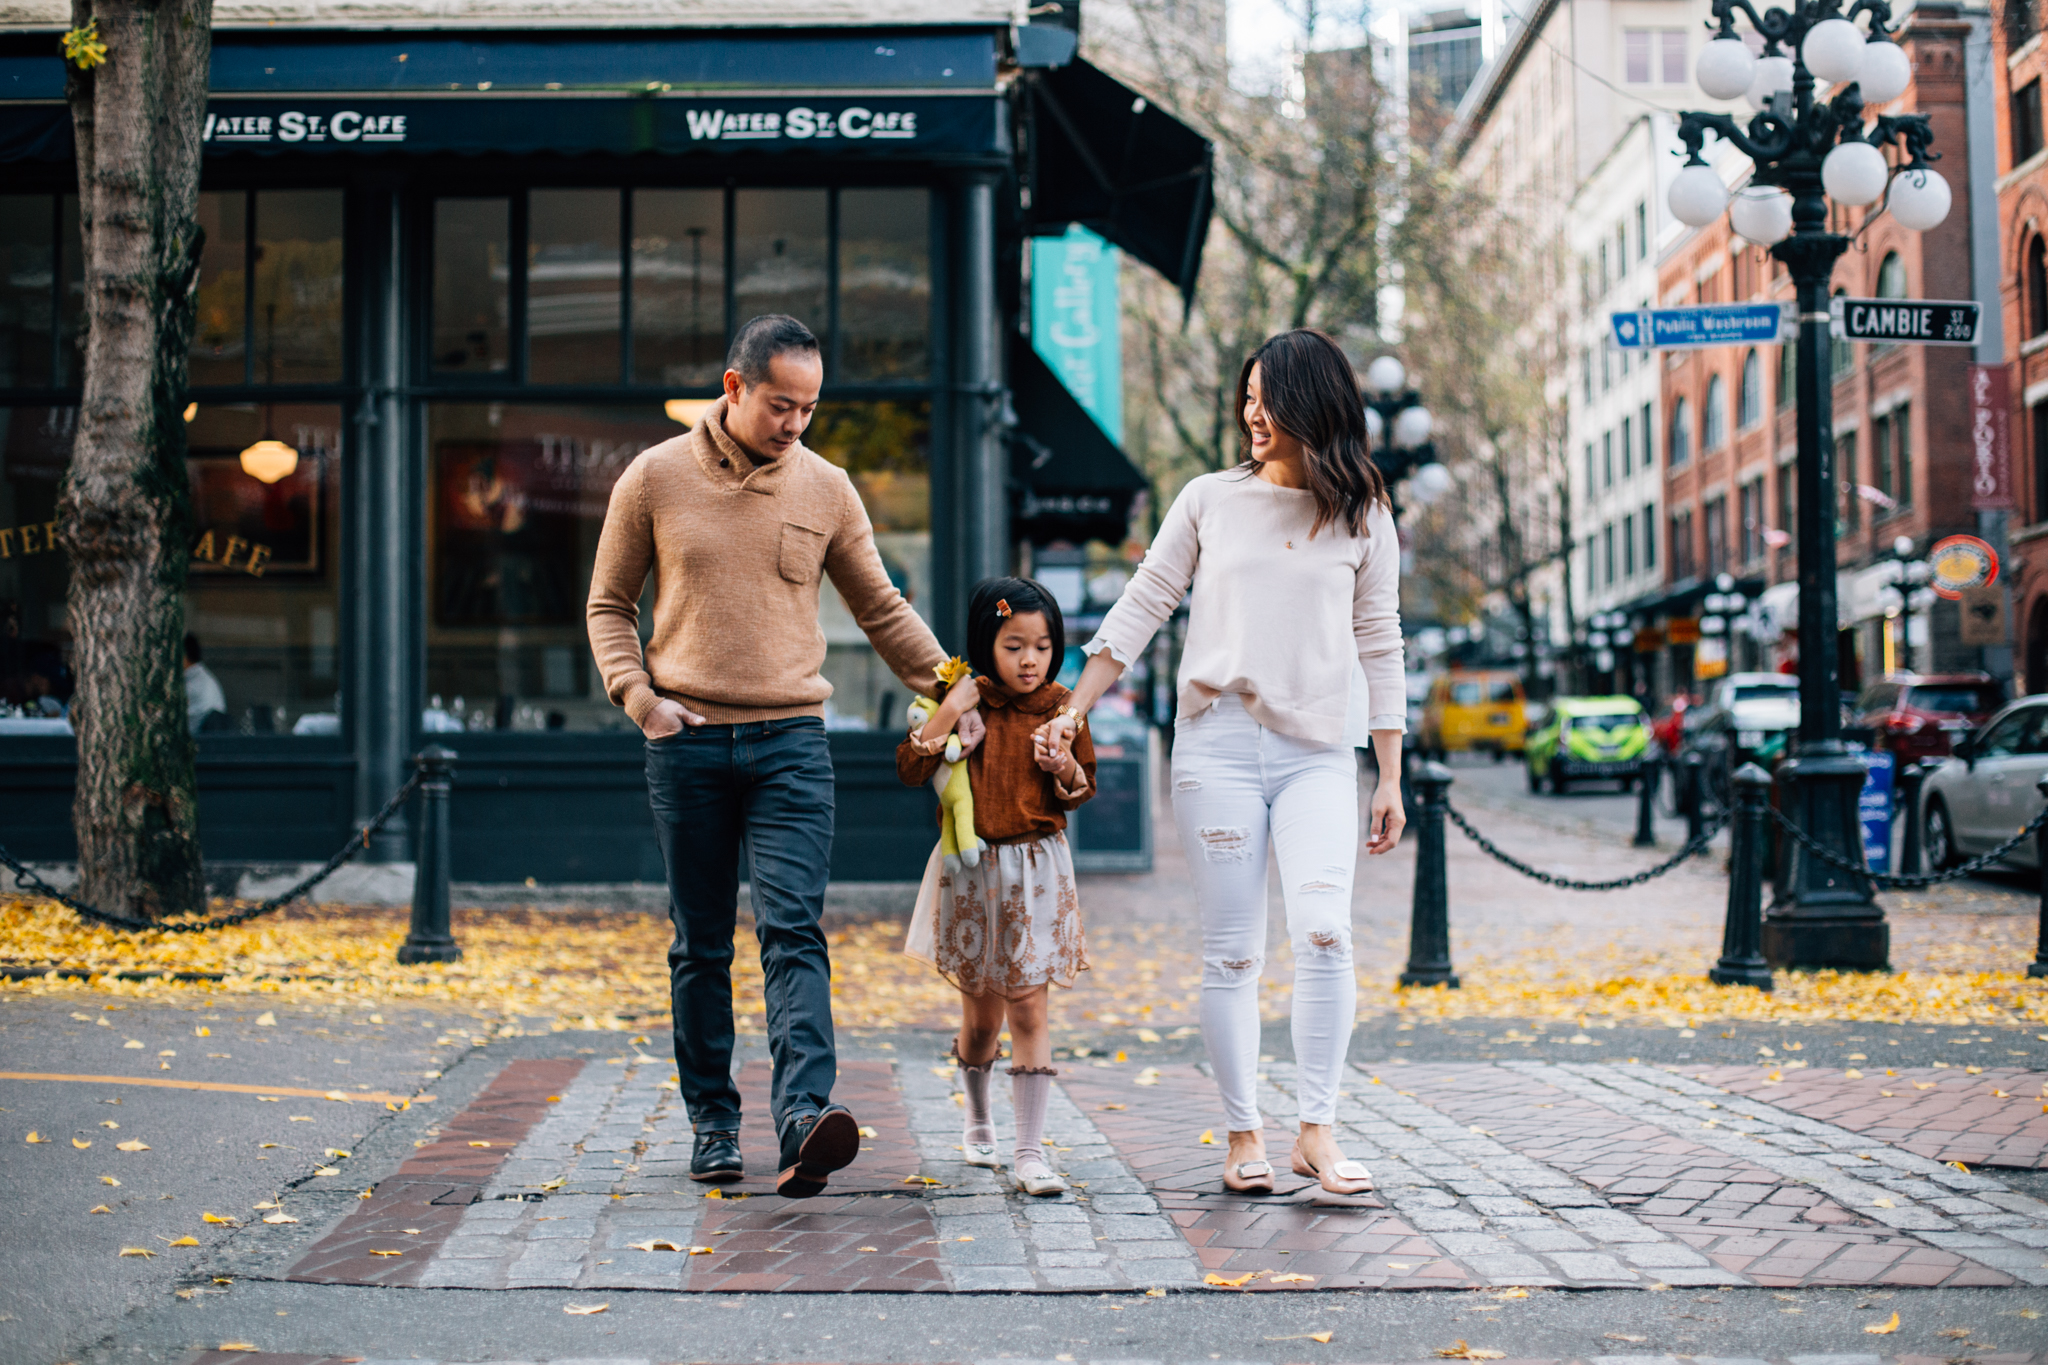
738	522
206	705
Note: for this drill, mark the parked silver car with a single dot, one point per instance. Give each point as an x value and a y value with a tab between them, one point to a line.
1984	793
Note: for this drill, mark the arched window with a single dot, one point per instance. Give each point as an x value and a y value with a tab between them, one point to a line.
1788	374
1891	277
1749	399
1714	420
1842	354
1679	446
2037	287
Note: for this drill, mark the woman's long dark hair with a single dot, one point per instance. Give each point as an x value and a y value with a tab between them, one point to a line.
1311	392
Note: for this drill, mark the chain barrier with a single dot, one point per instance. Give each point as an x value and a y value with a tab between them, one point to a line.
25	878
1492	850
1908	881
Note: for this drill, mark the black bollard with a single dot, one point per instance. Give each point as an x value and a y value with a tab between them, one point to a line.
1646	801
429	939
2039	966
1911	777
1742	959
1429	923
1693	794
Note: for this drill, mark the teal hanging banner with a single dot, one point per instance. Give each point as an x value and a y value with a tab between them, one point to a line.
1075	315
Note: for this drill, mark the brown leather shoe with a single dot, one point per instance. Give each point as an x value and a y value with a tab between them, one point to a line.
814	1148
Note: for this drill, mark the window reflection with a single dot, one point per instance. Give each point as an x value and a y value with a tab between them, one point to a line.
472	285
885	284
35	634
28	274
678	286
781	256
297	314
886	449
219	353
572	290
515	509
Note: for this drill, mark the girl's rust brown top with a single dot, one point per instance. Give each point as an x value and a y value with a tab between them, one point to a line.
1015	800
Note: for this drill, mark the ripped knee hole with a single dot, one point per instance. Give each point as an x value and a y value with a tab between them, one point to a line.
1225	843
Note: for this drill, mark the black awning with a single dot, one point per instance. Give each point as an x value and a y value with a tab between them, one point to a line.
1069	480
1103	156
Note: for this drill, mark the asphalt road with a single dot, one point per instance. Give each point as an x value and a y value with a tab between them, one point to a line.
69	1295
1600	809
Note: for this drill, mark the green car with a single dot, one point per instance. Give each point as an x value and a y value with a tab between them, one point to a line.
1589	737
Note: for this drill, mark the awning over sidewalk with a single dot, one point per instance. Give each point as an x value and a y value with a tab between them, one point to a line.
1071	481
1100	154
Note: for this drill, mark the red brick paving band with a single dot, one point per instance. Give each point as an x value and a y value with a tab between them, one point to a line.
1996	1117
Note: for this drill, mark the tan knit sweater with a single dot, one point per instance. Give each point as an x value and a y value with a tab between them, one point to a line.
737	553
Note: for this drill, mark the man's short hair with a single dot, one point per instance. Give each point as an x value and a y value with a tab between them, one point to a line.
193	654
762	339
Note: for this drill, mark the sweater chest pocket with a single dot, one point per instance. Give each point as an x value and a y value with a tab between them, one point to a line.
802	554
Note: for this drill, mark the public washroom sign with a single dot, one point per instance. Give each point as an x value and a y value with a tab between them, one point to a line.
1713	324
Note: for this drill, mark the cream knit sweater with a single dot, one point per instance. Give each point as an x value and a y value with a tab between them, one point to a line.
1285	620
738	554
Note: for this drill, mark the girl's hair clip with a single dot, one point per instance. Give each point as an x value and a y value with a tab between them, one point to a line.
1003	606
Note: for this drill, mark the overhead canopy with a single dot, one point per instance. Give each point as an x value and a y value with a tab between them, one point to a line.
1103	156
1071	481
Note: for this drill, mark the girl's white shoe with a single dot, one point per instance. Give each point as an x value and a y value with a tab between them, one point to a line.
1034	1177
981	1154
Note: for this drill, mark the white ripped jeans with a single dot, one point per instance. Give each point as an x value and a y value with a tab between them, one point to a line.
1235	784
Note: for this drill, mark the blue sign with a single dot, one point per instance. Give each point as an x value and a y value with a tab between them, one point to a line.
1713	324
1076	313
1874	809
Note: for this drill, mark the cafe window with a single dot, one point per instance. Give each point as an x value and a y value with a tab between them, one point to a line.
515	509
270	289
263	586
42	291
643	287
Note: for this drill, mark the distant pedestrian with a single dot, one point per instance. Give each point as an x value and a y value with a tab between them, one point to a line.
1007	927
738	523
206	705
1292	661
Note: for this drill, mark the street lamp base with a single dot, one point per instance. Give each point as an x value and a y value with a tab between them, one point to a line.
1847	945
1752	971
1826	917
429	951
1431	976
2036	970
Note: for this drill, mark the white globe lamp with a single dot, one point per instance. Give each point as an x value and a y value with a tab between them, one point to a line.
1920	198
1697	196
1773	76
1429	483
1833	50
1375	427
1854	173
1761	214
1725	68
1412	427
1887	71
1386	375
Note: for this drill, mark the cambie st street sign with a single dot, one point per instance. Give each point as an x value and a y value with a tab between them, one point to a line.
1923	322
1714	324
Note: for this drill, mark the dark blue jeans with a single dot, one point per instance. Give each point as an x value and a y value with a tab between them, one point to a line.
761	791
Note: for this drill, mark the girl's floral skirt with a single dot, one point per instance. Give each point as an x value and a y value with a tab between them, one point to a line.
1006	927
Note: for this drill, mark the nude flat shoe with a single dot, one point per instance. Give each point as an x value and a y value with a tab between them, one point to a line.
1249	1177
1343	1177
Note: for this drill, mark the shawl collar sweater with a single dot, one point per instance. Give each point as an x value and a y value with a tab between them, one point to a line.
739	551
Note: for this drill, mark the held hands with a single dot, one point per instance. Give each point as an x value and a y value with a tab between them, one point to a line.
1383	827
1052	749
667	718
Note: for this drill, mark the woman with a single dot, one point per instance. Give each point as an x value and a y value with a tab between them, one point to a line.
1293	652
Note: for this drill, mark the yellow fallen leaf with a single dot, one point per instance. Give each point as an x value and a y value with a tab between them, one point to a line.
1881	1203
867	1248
109	1180
720	1194
1230	1282
1515	1293
908	1180
1888	1094
1973	1070
101	1209
1208	1137
34	1136
268	1099
1155	1293
202	1032
702	1251
108	1123
1146	1035
963	1239
132	1145
1923	1085
136	1251
866	1131
326	1170
1149	1076
1122	1056
1291	1279
1852	1074
186	1241
1400	1265
336	1095
1999	1095
1461	1351
1304	1336
336	1151
387	1253
655	1244
556	1183
266	1145
81	1143
279	1218
215	1218
266	1019
237	1346
479	1144
135	1043
1885	1328
266	1204
1119	1106
1957	1165
582	1310
410	1232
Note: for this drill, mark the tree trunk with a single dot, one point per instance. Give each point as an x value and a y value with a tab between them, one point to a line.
125	511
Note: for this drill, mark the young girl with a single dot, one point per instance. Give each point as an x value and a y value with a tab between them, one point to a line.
1002	930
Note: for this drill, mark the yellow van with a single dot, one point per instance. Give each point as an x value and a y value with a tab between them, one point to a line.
1475	711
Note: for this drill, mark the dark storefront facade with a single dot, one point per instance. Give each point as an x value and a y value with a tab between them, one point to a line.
464	279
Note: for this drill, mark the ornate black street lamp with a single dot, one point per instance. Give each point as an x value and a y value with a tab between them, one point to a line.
1805	154
1400	428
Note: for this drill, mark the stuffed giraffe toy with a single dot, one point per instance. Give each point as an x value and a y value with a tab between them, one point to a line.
959	845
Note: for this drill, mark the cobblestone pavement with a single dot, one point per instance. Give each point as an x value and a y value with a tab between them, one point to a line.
573	1175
